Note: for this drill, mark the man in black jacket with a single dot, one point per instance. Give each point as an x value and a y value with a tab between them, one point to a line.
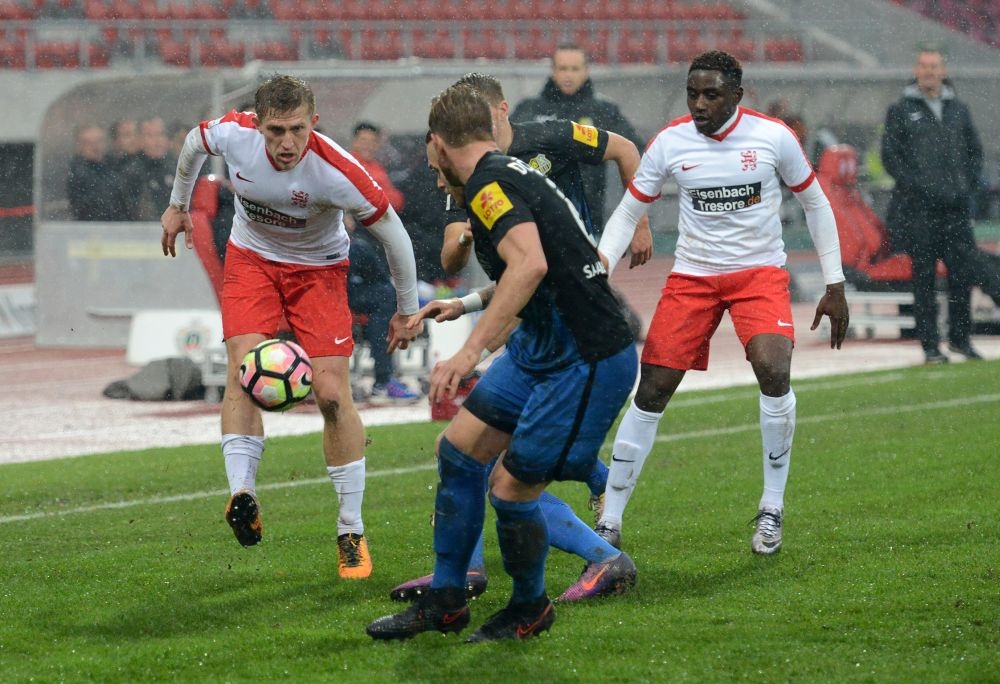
569	94
933	152
89	186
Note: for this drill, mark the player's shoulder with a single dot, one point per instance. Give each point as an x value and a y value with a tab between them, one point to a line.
234	120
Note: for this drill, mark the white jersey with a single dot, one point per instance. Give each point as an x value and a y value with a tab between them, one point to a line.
294	216
729	189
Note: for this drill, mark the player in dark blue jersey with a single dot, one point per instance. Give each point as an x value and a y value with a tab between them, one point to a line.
547	402
557	149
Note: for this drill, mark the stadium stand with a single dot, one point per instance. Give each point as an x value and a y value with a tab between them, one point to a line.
978	19
229	33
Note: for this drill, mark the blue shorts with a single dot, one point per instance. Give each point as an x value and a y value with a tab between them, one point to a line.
558	420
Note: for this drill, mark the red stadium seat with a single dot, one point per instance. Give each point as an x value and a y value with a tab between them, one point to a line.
783	50
12	55
434	44
489	43
221	53
380	45
175	53
274	51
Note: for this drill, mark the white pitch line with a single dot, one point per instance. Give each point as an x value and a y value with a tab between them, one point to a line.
199	495
874	411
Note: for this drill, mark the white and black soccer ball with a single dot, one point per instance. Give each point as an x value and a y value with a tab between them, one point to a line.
276	374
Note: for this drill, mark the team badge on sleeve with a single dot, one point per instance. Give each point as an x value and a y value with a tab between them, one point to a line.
585	134
491	203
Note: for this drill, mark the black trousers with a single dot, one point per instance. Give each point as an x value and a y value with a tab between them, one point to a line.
940	232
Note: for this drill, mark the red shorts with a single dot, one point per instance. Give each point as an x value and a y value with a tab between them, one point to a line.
258	293
690	308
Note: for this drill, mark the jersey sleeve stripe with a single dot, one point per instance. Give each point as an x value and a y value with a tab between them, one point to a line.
355	174
804	184
641	196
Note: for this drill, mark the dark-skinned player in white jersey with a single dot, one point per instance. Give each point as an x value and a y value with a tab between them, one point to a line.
728	162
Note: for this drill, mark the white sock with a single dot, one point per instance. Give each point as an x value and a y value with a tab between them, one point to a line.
777	428
633	442
242	455
349	483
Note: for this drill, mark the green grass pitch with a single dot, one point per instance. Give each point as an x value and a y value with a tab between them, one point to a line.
120	568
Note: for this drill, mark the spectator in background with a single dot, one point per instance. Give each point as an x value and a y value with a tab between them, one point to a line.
932	150
90	183
125	161
569	94
370	292
365	143
156	169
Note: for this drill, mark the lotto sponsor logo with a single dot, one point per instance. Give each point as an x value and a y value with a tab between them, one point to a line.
728	198
261	214
585	134
490	204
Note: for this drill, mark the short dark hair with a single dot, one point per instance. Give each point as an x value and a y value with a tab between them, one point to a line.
723	62
488	86
362	126
461	115
281	94
571	47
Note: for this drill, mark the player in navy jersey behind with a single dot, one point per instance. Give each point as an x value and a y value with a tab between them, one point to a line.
726	161
547	402
557	149
288	258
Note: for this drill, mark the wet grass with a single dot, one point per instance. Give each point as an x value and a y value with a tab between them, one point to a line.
119	567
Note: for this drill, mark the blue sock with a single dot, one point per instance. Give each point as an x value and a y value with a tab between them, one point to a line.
477	560
598	478
458	514
570	534
524	544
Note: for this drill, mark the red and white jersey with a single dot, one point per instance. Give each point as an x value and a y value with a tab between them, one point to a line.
728	187
293	216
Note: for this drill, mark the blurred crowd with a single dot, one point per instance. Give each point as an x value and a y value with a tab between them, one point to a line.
124	173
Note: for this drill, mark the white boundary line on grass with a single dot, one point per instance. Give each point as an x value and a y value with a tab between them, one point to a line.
873	411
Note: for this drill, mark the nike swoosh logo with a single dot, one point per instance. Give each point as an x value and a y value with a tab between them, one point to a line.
688	167
772	457
782	324
448	618
529	629
592	582
240	176
341	340
620	460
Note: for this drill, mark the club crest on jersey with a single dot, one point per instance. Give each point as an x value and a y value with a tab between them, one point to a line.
724	199
491	203
748	160
585	134
541	164
300	198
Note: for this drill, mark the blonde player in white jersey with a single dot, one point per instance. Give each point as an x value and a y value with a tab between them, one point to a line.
288	258
728	162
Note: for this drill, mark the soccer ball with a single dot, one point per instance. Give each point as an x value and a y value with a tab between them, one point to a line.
276	374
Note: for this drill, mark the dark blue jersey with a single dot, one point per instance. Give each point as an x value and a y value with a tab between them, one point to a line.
556	149
573	313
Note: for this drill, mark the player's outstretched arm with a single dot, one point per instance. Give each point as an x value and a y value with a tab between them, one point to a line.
625	155
175	221
833	303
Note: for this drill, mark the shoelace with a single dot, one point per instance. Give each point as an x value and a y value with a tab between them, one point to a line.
768	523
352	551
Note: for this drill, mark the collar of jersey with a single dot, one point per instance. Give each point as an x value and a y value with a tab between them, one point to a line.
728	127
